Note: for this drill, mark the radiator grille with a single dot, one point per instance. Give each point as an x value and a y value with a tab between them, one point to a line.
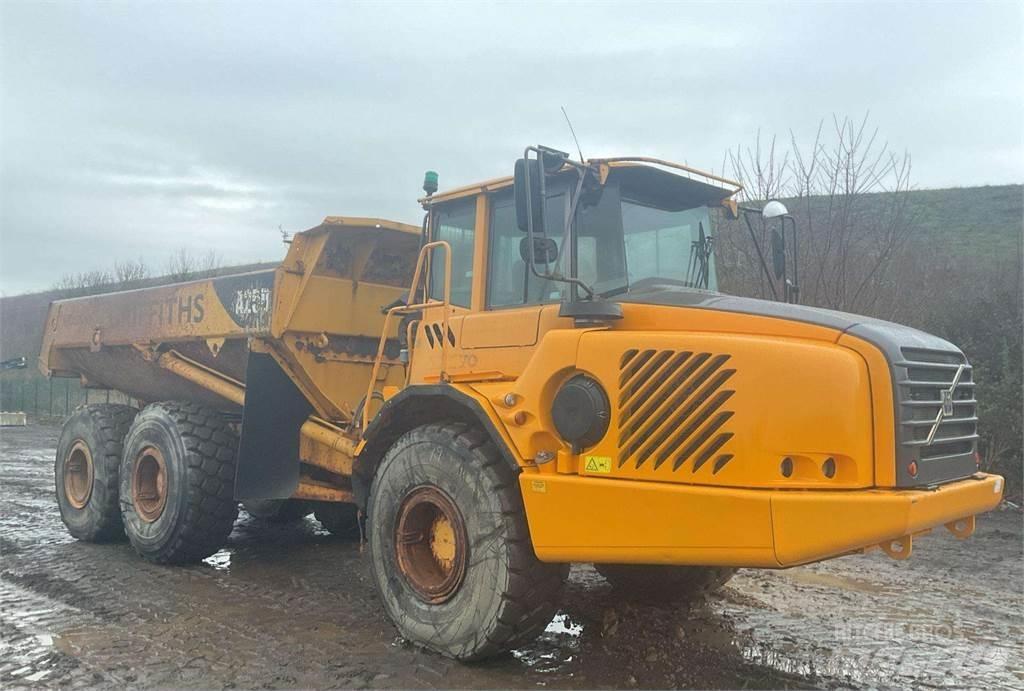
937	418
672	409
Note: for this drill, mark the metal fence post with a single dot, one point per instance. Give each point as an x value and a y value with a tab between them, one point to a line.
51	398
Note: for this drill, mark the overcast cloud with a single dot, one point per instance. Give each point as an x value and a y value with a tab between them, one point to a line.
131	129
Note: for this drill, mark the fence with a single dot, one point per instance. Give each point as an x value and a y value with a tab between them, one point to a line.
40	396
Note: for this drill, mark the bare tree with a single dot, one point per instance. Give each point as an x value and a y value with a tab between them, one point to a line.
129	273
210	262
84	283
183	265
849	194
764	176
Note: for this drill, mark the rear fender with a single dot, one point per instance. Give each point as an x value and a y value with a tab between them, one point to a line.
268	451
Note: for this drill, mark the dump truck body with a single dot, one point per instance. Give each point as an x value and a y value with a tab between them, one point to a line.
542	373
105	339
319	312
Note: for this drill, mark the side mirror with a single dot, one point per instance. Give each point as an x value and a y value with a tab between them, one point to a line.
545	251
778	254
528	196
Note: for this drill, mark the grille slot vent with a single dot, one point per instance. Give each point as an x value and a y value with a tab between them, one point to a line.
671	408
925	381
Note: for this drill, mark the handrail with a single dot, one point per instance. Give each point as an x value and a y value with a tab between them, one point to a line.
410	335
425	252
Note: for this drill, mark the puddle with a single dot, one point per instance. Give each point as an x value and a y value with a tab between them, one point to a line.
555	649
221	561
833	581
561	624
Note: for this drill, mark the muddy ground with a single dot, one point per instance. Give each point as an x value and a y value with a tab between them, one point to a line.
290	606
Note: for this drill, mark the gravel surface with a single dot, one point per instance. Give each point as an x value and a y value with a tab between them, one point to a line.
291	606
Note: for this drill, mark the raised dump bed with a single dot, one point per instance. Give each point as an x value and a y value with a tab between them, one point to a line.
136	341
191	341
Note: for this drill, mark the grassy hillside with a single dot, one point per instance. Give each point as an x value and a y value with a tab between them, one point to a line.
980	221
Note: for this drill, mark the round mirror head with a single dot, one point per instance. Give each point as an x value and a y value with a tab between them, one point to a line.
773	209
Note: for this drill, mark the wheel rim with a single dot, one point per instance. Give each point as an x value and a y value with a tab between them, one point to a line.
430	544
149	484
78	475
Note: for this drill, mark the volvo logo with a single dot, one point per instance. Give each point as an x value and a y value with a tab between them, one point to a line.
947	404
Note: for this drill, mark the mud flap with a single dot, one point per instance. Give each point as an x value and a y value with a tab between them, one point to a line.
268	452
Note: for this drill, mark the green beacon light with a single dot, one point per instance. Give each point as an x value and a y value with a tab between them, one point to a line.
430	182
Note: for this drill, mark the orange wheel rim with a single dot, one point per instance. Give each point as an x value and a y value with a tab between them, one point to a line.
78	475
149	484
431	547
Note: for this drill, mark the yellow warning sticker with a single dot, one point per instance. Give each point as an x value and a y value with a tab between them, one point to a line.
598	464
539	486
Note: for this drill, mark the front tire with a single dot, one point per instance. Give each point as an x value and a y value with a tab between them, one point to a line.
450	547
177	482
85	471
665	583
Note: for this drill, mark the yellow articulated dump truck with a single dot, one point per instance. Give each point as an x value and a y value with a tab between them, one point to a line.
542	373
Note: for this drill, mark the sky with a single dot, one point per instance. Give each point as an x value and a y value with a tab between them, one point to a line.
130	130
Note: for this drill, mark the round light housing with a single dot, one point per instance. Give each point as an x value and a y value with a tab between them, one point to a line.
581	411
774	209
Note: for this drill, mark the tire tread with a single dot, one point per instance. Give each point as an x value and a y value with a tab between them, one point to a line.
210	451
534	588
110	423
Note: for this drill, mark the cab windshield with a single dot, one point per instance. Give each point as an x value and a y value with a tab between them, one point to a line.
625	244
639	233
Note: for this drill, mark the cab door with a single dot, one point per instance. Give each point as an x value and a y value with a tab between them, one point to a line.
513	296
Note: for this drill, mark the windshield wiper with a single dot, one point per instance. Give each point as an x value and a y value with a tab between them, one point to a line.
700	259
615	291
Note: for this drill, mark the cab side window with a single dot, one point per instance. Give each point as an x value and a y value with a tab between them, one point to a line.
507	275
509	281
455	224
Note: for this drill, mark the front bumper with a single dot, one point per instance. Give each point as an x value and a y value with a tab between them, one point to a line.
574	518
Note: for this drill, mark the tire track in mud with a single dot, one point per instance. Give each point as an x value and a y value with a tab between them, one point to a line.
30	655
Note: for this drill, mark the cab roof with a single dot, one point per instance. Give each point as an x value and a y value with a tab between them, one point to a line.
643	170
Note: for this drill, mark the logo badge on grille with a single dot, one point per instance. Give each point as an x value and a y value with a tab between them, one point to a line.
946	396
947	402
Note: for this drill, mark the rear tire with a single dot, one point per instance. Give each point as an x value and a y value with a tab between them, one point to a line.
177	482
665	583
85	471
463	580
339	519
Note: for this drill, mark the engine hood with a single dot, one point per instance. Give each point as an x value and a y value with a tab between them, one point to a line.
887	336
933	386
